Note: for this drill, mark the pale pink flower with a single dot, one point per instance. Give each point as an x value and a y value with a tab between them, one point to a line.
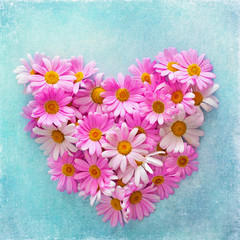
64	170
193	69
81	72
122	96
113	208
164	181
53	73
124	147
182	163
91	132
51	107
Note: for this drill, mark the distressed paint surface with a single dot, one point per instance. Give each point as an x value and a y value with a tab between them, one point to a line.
206	206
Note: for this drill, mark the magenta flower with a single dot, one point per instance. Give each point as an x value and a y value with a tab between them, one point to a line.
122	96
54	73
113	208
51	107
93	173
91	131
164	181
193	69
64	170
182	163
81	72
140	200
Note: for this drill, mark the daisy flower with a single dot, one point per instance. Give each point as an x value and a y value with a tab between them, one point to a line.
164	182
193	69
89	98
91	131
55	140
27	114
124	147
81	72
54	73
150	130
182	127
26	70
144	72
122	96
181	95
157	107
93	173
64	170
51	107
112	207
140	200
165	65
182	163
204	98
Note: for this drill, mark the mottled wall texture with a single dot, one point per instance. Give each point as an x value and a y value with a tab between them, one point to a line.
114	33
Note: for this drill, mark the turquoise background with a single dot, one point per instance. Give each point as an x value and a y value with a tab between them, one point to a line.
206	206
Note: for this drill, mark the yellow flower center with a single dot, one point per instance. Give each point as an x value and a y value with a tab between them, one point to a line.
158	180
135	197
96	95
95	134
171	68
198	98
57	136
94	171
158	107
32	72
68	170
79	76
140	130
51	77
179	128
177	97
122	94
182	161
146	78
160	149
116	204
51	107
120	183
193	69
124	147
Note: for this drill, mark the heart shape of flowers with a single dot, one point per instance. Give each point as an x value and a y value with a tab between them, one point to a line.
125	143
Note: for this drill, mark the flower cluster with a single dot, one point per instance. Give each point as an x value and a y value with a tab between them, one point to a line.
125	143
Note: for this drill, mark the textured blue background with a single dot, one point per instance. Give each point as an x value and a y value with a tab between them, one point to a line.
206	206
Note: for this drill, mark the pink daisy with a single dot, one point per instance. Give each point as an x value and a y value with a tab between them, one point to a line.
165	65
112	207
93	173
193	69
64	170
54	73
27	114
26	70
182	127
89	98
56	141
158	107
91	131
51	107
164	181
150	130
144	72
140	200
122	96
81	72
124	147
181	95
182	163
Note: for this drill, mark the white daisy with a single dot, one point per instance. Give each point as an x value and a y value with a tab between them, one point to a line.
55	140
182	127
